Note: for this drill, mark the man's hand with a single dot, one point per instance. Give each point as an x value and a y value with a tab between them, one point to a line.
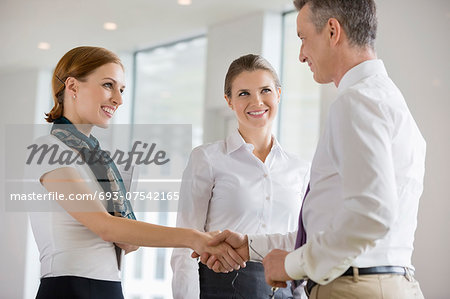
237	241
127	247
274	271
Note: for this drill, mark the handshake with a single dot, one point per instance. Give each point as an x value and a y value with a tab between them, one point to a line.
226	251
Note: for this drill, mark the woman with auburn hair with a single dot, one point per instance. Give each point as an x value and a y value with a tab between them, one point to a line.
246	183
80	243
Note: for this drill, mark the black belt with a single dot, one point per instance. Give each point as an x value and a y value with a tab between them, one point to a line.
366	271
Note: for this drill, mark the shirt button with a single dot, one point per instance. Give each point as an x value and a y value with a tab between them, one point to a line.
263	225
265	175
268	198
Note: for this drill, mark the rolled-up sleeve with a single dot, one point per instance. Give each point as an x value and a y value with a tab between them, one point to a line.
261	245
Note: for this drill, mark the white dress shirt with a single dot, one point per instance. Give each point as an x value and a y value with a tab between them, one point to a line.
366	181
225	186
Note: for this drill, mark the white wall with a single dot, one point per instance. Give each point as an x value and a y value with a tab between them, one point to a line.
18	100
413	41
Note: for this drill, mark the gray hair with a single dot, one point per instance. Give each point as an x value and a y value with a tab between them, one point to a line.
357	17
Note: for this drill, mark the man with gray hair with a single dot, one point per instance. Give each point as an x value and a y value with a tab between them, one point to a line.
356	228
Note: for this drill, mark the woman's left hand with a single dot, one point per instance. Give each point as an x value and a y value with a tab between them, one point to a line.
127	247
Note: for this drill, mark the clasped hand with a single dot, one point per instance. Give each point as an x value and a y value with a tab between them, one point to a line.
237	243
223	256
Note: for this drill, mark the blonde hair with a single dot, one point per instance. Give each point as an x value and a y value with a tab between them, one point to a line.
249	62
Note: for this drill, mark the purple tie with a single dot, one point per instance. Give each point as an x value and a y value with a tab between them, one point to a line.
301	233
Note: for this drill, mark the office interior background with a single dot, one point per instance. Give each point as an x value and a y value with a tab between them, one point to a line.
176	57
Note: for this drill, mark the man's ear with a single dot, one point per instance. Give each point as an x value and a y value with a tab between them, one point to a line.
334	31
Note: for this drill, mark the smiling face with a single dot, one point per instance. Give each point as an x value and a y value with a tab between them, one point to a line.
97	97
315	48
254	99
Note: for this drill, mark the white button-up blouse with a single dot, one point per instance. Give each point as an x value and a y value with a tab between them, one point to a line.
225	186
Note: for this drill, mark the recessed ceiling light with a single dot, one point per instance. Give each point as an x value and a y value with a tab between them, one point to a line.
184	2
43	46
110	26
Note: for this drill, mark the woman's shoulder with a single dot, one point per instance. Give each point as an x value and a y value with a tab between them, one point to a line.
211	149
49	146
48	153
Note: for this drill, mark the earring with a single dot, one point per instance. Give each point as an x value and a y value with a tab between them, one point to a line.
74	97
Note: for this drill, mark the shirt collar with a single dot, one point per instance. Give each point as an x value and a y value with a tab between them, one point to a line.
235	141
361	71
275	144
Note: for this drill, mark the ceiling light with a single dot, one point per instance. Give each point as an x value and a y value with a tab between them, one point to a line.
44	46
110	26
184	2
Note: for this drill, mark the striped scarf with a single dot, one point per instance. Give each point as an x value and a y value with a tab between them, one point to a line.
101	164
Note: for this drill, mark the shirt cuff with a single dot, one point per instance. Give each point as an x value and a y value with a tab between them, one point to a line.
257	247
294	265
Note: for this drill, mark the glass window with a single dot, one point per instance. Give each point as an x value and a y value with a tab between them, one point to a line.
138	264
299	114
169	89
170	85
160	263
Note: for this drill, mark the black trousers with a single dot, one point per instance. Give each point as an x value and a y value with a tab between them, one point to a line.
74	287
246	283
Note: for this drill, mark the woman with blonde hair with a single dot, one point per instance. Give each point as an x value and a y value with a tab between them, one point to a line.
246	183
